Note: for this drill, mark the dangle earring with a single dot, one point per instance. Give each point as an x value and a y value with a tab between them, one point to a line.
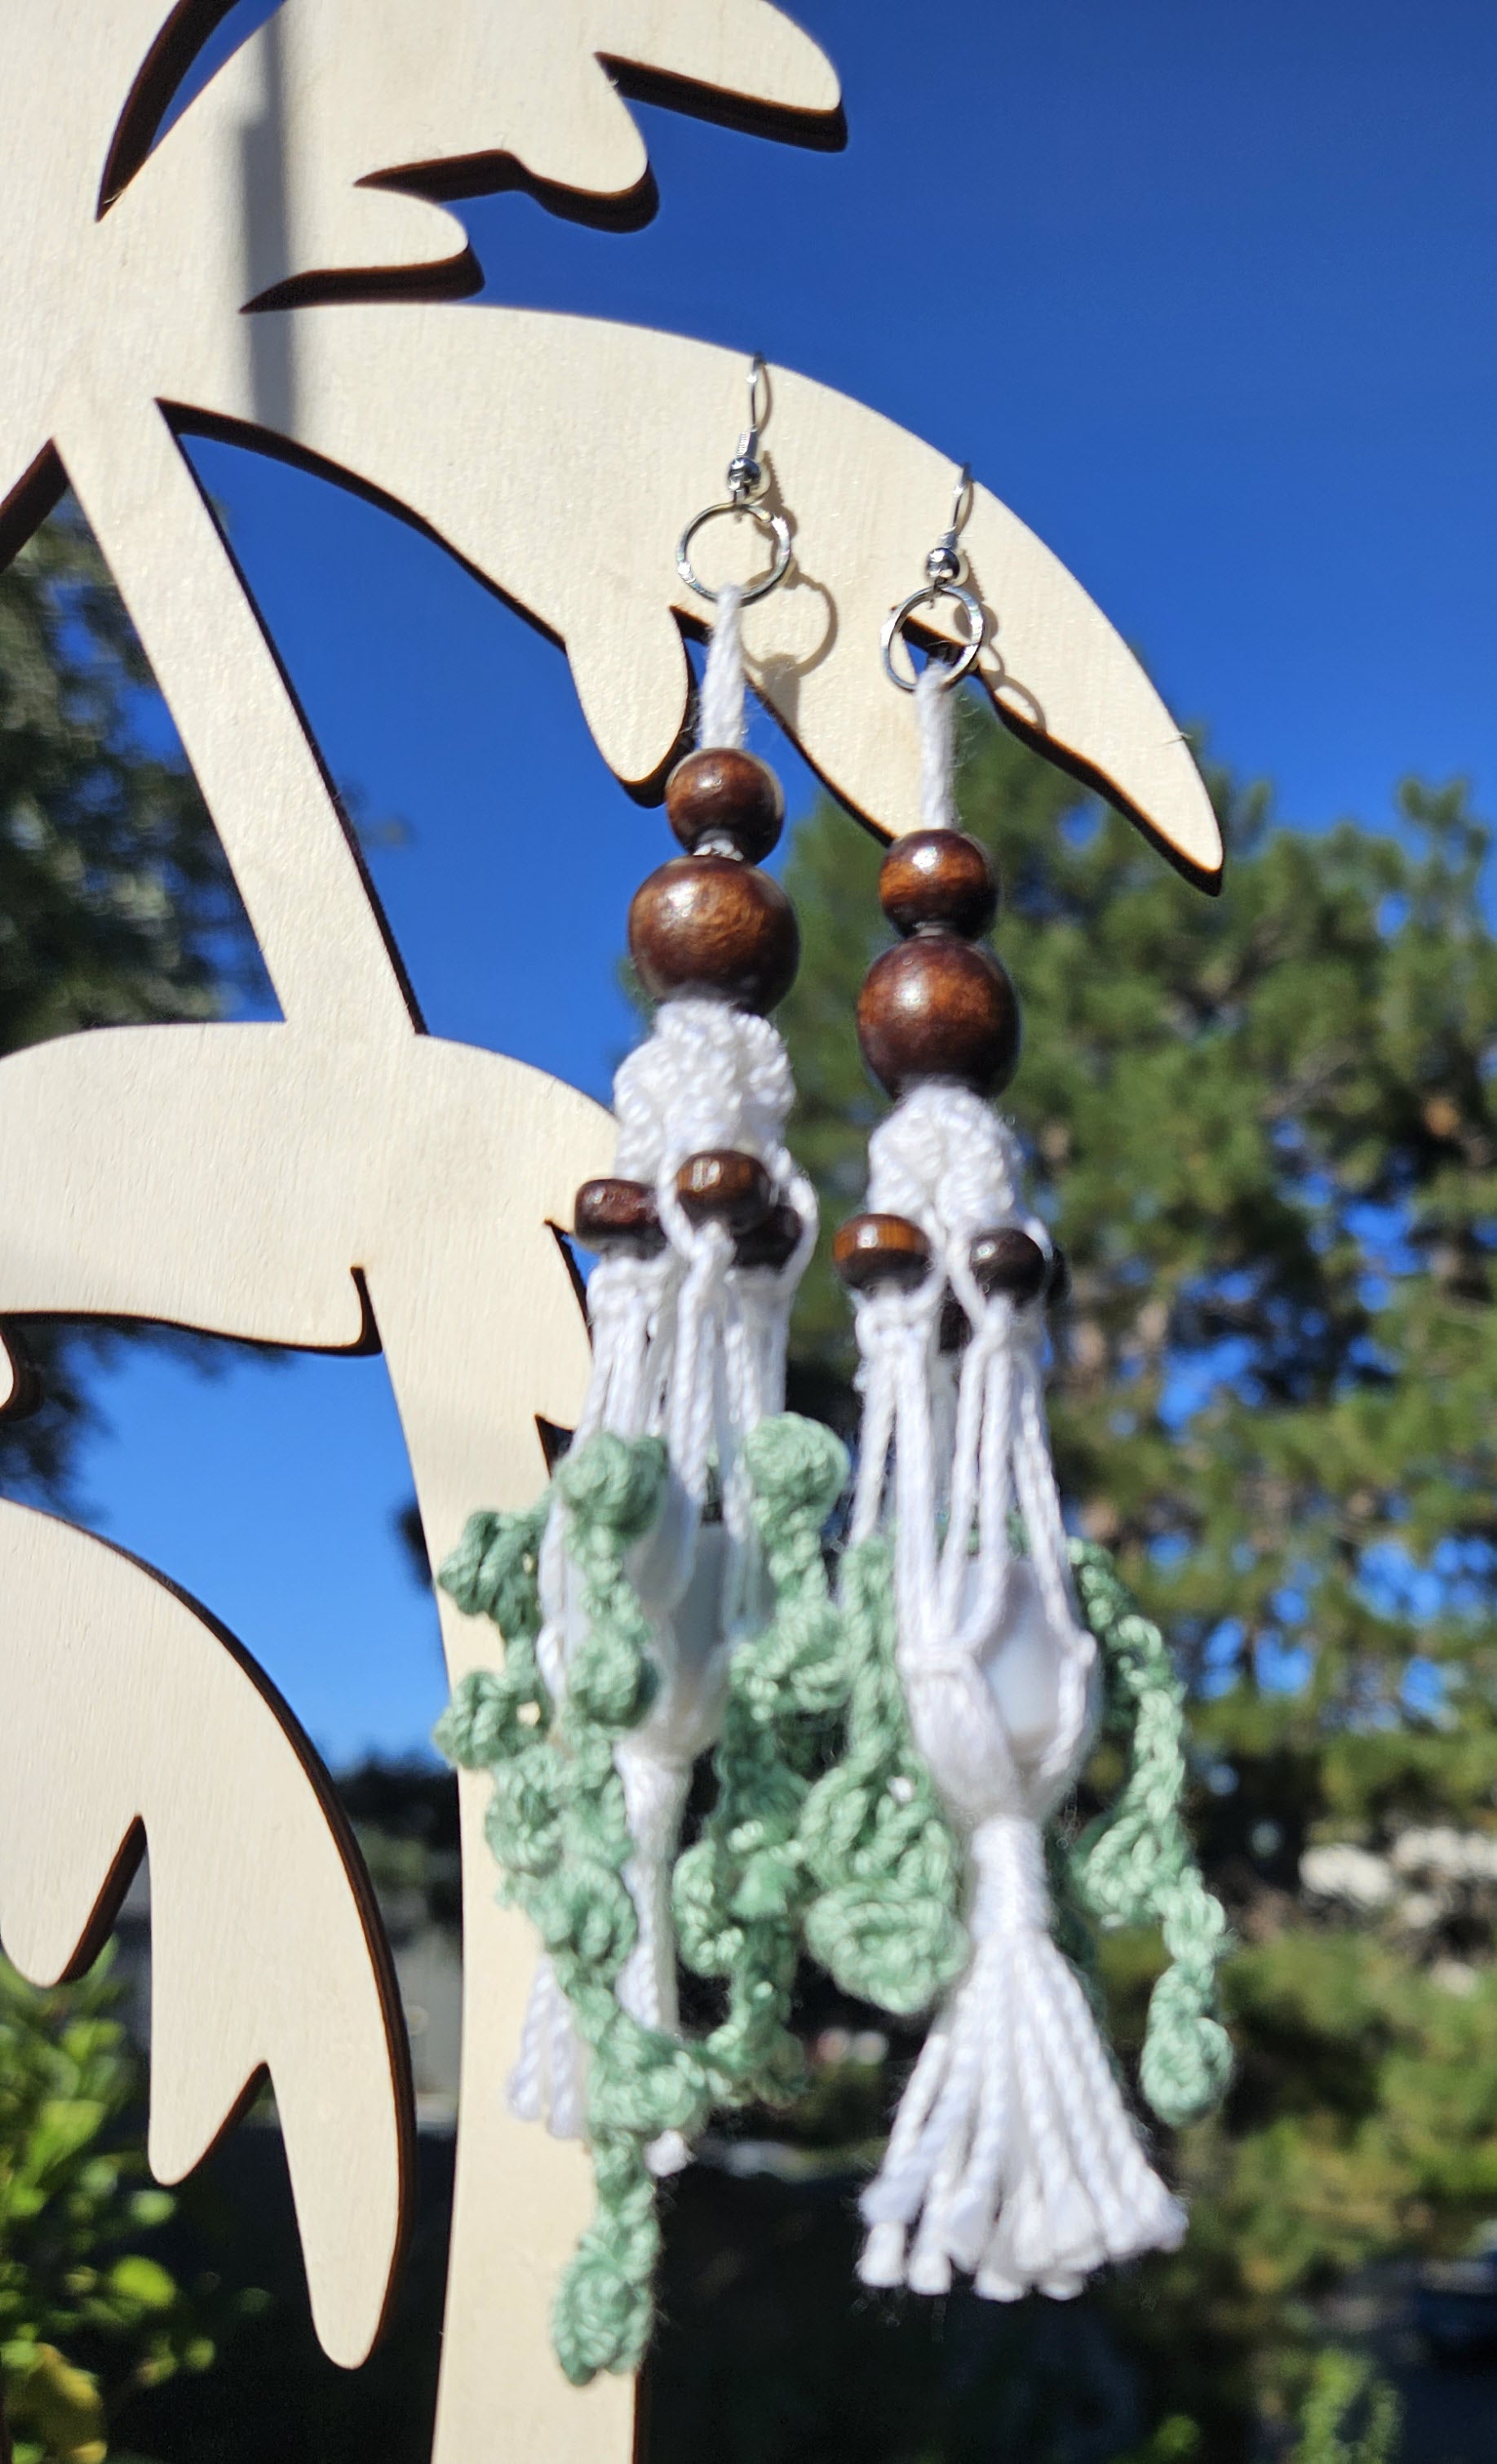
1013	2157
701	1237
668	1593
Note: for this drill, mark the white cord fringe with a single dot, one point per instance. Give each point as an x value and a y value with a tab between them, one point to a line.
1013	2157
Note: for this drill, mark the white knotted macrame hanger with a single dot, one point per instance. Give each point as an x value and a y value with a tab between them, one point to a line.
1013	2157
691	1347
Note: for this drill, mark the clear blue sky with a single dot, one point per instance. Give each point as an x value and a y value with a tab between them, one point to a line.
1205	292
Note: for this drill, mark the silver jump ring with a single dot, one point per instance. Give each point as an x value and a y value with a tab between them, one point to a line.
771	526
953	671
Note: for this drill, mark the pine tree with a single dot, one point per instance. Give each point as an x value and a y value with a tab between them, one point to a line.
116	904
1264	1129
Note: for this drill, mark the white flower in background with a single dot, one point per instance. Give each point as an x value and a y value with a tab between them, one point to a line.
1421	1911
1350	1877
1447	1855
1456	1976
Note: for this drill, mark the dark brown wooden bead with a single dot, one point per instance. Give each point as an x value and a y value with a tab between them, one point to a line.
722	1186
722	790
617	1215
709	924
873	1249
1006	1259
937	1007
938	881
772	1243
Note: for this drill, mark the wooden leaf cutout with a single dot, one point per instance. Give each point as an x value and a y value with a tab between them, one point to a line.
126	1714
358	90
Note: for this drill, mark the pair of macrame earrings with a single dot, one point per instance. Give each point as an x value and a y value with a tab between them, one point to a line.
671	1596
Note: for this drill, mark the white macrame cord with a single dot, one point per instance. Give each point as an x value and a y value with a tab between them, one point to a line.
1013	2157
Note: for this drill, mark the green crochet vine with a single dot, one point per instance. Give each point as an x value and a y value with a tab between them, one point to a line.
1135	1865
557	1824
739	1891
889	1874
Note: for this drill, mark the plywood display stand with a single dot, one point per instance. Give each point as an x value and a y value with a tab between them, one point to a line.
278	267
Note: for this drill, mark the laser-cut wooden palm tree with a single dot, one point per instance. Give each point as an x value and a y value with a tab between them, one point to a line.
269	269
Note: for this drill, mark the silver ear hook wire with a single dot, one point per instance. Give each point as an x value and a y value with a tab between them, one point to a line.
945	575
745	474
746	484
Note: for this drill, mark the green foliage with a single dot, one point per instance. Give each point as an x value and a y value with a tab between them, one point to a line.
87	2319
1343	2386
1174	2440
116	904
1264	1129
114	892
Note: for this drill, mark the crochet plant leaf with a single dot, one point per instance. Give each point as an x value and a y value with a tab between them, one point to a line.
884	1922
1135	1865
740	1889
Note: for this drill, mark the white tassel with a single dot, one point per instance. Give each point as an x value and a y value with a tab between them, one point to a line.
1013	2157
689	1347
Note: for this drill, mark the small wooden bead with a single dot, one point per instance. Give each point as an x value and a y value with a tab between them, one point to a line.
772	1243
937	1007
722	1186
722	790
873	1249
1006	1259
938	881
709	924
617	1215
